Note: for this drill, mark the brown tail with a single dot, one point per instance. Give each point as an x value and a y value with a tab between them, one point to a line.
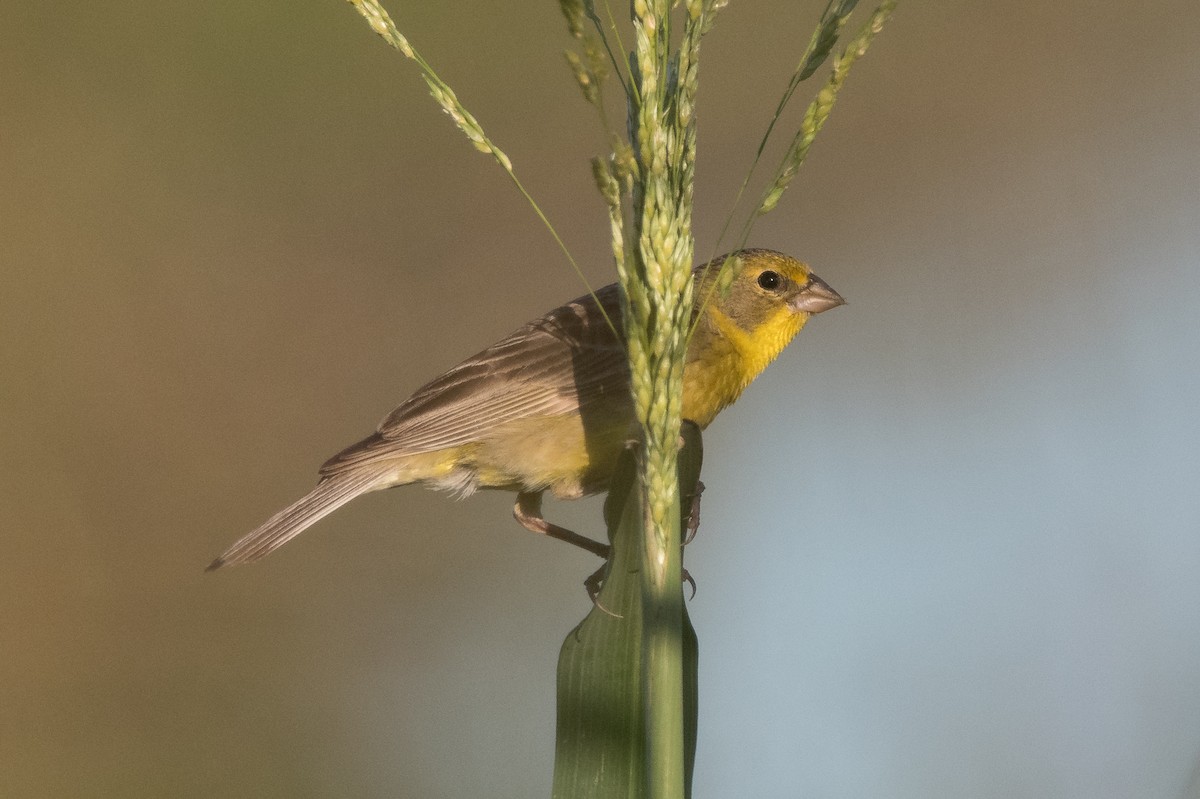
329	495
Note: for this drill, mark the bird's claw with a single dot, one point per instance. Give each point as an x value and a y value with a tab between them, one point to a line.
691	581
693	522
593	584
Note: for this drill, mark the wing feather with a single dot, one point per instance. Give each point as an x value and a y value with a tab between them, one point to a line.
552	366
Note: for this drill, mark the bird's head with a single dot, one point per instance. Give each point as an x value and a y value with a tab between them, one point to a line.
763	288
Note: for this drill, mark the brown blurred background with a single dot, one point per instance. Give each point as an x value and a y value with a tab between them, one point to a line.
951	541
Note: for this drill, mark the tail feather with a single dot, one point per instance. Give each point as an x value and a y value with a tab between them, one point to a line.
329	495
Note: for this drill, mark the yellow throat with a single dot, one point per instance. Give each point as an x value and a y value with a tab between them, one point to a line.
733	357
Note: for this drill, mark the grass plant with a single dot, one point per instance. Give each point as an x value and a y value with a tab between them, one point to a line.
627	703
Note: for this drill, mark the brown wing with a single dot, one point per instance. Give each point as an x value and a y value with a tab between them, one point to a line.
551	366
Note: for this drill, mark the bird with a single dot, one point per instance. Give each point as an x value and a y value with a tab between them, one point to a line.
549	407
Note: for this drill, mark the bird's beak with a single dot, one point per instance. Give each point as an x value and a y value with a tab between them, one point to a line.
815	297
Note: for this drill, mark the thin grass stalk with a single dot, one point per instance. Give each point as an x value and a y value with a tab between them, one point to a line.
821	43
464	120
819	47
818	110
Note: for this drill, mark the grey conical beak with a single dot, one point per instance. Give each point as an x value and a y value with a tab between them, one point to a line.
815	297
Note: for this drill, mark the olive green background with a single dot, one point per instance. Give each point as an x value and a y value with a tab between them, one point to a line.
951	540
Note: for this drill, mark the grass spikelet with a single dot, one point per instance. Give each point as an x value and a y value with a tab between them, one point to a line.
818	110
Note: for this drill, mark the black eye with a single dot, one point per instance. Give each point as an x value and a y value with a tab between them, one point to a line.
769	280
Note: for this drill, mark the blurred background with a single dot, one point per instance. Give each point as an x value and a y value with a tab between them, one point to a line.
951	540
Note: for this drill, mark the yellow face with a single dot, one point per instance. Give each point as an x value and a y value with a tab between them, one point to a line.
765	286
743	328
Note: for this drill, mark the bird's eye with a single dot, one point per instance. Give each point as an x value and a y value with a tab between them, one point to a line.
769	280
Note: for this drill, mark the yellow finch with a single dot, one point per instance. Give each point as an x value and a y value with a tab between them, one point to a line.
549	408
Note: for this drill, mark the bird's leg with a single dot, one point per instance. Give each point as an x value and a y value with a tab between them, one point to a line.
528	512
